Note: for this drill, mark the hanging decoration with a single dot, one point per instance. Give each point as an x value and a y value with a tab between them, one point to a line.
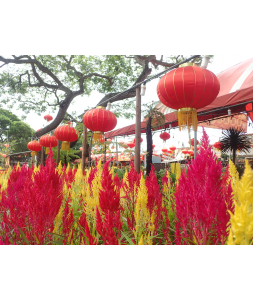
164	136
187	89
6	145
172	148
192	142
99	120
153	146
66	134
141	140
164	150
81	148
48	118
131	144
34	146
48	141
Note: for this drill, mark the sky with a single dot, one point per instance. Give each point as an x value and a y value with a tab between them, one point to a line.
178	139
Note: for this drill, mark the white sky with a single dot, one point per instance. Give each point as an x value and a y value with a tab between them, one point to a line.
220	63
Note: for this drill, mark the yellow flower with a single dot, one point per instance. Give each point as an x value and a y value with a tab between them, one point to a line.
241	230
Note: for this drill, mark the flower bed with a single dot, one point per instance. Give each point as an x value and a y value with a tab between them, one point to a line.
49	205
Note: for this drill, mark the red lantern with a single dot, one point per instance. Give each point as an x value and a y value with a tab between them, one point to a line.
131	145
3	155
6	145
249	109
164	136
192	142
186	89
38	129
153	146
185	151
191	153
218	145
66	134
81	148
141	140
48	118
164	150
35	146
99	120
112	147
48	141
172	148
107	151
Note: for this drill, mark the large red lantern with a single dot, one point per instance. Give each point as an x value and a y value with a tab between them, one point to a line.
48	141
164	136
66	134
186	89
35	146
99	120
48	118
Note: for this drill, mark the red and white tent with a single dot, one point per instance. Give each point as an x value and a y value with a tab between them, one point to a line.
236	92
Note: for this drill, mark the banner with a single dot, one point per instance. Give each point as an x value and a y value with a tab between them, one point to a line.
237	121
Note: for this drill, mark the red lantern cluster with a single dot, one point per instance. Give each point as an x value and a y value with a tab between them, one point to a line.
164	136
34	146
48	118
99	120
66	134
186	89
48	141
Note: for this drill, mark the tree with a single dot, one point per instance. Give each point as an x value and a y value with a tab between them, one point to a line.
234	140
39	82
19	133
154	118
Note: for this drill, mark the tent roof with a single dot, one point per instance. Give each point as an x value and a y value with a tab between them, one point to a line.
236	89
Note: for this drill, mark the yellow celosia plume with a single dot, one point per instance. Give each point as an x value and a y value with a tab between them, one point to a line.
241	230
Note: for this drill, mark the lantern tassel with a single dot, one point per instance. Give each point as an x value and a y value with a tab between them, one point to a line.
47	150
187	117
33	153
65	146
98	137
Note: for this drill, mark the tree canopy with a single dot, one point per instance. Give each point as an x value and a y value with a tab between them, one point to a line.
36	83
19	133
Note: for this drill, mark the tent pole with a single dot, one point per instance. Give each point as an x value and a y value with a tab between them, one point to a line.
195	143
138	130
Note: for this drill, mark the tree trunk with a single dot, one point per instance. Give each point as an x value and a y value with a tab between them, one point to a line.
149	150
234	156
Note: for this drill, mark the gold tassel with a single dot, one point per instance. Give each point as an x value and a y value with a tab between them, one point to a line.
187	117
47	150
98	137
65	146
33	153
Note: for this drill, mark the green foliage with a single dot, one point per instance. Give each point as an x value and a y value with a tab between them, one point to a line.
19	132
66	156
159	175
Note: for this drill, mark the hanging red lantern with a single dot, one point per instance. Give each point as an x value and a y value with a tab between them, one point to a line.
3	155
81	148
99	120
141	140
48	118
186	89
192	142
249	109
218	145
131	145
185	151
191	153
164	136
107	151
48	141
112	147
172	148
6	145
35	146
164	150
153	146
66	134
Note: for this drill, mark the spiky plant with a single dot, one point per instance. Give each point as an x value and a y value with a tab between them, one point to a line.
233	140
154	118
